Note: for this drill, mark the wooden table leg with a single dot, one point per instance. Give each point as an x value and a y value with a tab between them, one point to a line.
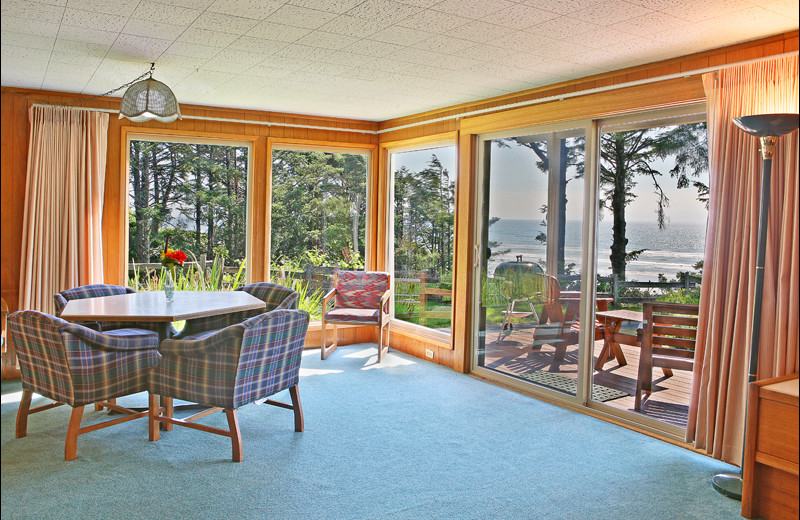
610	327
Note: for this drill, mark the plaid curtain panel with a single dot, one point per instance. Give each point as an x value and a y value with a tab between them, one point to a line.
361	290
237	365
274	295
73	364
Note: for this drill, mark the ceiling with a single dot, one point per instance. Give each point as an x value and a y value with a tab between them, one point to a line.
363	59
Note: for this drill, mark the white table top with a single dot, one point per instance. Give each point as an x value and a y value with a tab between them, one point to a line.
153	306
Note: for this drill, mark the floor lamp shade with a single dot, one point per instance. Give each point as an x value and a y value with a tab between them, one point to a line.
767	127
149	99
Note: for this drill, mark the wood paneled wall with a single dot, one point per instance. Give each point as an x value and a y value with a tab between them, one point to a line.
15	134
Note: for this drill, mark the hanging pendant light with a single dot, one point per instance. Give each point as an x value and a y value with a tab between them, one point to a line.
149	99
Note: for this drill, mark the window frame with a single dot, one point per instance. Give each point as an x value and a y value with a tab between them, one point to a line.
154	135
443	140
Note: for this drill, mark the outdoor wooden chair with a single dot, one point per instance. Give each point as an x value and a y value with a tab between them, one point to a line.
75	365
240	364
668	341
359	298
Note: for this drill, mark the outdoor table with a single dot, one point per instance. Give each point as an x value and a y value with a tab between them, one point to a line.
152	307
613	321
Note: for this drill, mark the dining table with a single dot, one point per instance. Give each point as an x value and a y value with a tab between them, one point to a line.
153	307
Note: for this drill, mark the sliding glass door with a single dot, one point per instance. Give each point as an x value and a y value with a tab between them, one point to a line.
530	229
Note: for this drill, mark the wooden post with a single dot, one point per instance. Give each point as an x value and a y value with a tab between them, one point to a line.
423	298
201	265
615	288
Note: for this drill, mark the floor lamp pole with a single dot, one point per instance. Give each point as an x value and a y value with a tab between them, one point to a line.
768	128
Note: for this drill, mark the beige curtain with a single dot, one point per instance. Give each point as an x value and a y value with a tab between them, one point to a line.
717	405
62	235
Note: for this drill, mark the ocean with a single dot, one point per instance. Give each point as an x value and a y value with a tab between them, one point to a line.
676	248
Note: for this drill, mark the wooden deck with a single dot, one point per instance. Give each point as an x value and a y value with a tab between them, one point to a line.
513	355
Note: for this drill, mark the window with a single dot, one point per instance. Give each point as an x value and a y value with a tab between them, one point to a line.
423	202
318	219
194	195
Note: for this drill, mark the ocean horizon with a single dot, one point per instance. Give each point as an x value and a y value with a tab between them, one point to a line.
675	249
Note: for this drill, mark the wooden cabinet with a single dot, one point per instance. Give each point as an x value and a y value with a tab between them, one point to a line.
770	480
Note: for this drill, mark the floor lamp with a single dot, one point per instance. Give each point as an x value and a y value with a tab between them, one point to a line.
768	127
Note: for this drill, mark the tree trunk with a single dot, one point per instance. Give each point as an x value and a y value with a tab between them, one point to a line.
619	241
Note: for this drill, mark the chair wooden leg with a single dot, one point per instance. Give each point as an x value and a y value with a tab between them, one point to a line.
236	435
327	350
22	413
169	411
153	426
299	424
71	445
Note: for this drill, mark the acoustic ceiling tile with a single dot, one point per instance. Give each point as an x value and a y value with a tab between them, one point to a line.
264	46
262	71
224	23
475	9
129	47
164	31
325	40
192	4
610	13
170	60
255	9
63	81
649	23
165	13
785	7
32	11
192	50
434	21
479	31
79	34
372	48
29	26
353	26
89	20
115	7
25	53
227	67
28	40
238	57
562	7
287	63
347	58
444	44
562	28
397	33
79	49
302	52
519	16
330	6
300	17
383	11
278	32
205	37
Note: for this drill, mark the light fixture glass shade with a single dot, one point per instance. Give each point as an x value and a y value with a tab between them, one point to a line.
149	99
767	125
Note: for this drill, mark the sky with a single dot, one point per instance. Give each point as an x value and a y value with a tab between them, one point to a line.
518	190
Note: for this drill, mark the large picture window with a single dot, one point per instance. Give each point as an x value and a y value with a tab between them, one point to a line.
193	196
318	219
423	202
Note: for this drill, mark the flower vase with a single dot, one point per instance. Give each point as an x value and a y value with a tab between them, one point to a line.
169	287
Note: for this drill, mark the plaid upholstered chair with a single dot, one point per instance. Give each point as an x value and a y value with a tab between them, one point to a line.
274	295
230	368
359	298
92	291
74	365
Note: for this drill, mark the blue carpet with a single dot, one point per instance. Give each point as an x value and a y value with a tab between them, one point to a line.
404	439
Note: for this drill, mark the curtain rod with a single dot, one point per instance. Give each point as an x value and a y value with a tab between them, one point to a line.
519	104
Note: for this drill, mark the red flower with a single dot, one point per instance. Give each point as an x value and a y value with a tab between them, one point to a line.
173	257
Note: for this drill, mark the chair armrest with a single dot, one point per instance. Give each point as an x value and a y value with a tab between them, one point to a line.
104	341
385	300
327	298
225	338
